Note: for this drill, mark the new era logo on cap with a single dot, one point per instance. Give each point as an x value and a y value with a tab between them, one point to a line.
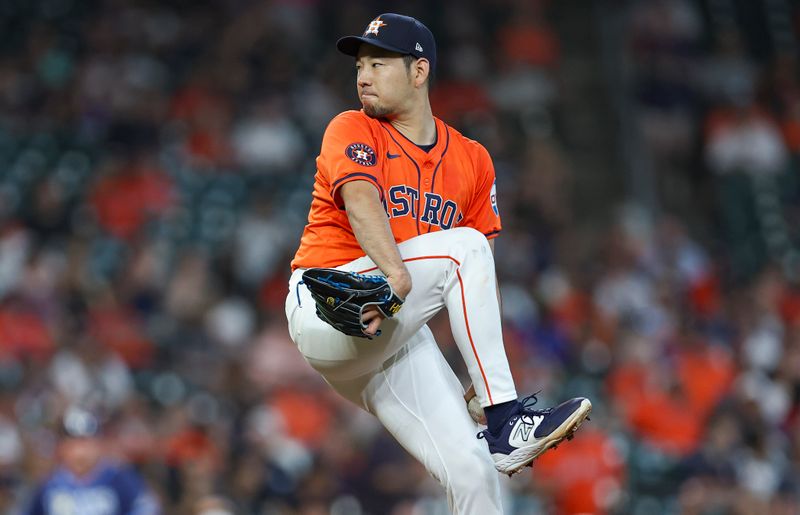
418	47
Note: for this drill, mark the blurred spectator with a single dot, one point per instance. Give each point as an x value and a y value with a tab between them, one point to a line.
729	75
711	471
87	482
90	374
665	37
213	505
742	139
266	140
124	197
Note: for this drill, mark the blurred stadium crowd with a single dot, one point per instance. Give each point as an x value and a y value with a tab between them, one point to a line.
156	160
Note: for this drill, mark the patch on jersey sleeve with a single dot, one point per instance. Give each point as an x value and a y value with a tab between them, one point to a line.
493	198
361	153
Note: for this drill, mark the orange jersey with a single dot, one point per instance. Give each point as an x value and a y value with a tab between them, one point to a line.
452	185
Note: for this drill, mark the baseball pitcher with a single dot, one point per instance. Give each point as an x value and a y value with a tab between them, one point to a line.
401	225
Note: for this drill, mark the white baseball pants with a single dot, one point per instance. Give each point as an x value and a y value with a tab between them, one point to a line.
401	376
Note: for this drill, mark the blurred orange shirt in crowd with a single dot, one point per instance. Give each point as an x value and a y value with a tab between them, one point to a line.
722	119
666	421
790	307
24	333
192	446
705	296
626	384
307	416
791	134
706	374
673	420
207	116
584	475
122	202
119	330
530	42
451	99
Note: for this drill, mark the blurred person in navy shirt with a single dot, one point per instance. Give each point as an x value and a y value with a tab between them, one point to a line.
86	482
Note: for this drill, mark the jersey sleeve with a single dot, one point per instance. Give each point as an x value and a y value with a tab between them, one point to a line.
349	153
483	213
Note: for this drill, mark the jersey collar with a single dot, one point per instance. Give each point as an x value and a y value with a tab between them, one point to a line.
412	149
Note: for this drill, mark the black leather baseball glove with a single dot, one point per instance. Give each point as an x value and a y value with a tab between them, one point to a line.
342	296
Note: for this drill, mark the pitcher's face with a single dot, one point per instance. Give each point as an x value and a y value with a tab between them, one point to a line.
383	81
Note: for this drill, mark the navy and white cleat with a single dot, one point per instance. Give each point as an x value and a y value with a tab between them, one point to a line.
530	432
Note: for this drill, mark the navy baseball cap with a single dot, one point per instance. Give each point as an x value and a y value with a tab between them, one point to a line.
396	33
79	422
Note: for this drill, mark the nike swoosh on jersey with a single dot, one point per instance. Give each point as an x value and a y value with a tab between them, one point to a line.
392	156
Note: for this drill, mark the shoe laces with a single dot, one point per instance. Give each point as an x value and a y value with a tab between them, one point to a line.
525	408
527	403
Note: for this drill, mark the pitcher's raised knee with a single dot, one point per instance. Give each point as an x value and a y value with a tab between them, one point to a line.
469	239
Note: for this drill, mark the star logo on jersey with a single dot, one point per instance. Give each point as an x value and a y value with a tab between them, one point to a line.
361	153
374	26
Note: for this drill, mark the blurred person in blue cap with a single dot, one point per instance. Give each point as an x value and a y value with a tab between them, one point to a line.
86	481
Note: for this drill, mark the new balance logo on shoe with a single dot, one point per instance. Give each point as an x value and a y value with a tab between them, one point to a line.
525	426
523	431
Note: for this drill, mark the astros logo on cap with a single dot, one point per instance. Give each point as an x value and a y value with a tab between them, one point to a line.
374	25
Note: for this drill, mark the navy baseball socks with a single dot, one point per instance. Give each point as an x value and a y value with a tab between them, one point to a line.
517	434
